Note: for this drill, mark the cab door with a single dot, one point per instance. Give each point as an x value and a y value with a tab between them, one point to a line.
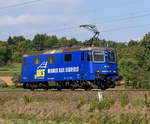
82	65
25	70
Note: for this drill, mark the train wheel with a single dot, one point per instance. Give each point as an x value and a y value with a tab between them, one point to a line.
73	88
112	85
87	88
33	86
102	86
59	88
24	85
46	86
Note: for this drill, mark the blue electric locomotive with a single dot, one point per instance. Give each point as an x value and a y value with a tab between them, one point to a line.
74	67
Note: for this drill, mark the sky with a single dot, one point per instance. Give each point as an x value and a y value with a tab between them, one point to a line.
117	20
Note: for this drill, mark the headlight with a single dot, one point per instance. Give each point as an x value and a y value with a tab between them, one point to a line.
115	71
97	71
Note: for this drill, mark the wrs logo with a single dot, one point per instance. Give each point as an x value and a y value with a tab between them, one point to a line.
40	72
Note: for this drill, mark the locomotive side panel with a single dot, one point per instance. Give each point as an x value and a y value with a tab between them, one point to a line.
67	67
53	67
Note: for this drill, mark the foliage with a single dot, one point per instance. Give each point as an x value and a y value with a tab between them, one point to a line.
132	57
81	102
134	63
146	101
3	84
11	67
103	104
2	101
27	99
123	99
33	110
16	78
131	119
136	102
4	53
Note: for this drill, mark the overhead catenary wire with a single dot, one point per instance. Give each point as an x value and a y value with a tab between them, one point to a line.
110	30
102	31
19	4
115	20
128	27
72	27
126	18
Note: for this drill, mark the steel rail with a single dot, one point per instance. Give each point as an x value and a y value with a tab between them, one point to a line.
78	90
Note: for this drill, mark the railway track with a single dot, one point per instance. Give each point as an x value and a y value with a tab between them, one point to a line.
78	90
68	95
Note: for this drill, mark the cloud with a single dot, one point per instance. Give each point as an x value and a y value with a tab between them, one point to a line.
29	25
14	2
8	2
46	16
30	19
26	18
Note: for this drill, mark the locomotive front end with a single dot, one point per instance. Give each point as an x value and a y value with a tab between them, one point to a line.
105	68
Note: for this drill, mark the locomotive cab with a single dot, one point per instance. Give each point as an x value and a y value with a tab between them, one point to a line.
103	63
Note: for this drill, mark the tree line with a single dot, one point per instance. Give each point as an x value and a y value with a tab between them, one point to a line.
133	57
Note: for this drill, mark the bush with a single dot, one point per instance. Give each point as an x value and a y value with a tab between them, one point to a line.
4	69
2	63
16	79
81	102
103	104
146	101
137	102
123	99
106	103
3	84
131	119
2	102
27	99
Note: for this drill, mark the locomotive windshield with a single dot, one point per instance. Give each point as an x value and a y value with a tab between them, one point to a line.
111	56
98	56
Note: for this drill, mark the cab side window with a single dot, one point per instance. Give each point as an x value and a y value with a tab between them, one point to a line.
68	58
36	60
82	56
51	59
